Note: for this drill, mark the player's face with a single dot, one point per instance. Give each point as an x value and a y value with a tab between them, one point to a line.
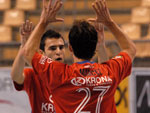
54	49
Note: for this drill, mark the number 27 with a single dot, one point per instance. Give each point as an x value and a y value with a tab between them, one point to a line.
102	89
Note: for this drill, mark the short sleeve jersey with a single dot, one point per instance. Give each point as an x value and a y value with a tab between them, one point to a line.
40	98
83	86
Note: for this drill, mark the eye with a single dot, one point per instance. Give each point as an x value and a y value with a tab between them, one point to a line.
53	48
61	47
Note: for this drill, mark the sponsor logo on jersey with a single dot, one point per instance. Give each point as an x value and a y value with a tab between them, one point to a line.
91	81
44	59
48	107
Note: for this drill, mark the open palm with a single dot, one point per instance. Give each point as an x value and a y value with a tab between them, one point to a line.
49	12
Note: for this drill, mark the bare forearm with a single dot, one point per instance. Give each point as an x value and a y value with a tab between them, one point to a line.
48	15
33	42
18	67
102	54
125	43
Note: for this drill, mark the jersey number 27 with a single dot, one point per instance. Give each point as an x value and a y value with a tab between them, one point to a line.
101	89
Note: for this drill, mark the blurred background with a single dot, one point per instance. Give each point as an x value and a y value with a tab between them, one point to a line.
133	16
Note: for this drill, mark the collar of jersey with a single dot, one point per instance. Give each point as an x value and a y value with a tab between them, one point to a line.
86	61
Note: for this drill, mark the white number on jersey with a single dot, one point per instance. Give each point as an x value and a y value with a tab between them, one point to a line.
101	89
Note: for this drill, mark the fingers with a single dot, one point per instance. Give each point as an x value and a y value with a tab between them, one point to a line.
55	7
59	19
58	6
27	24
98	26
49	5
31	26
95	8
99	6
21	29
91	19
55	4
49	15
102	12
26	27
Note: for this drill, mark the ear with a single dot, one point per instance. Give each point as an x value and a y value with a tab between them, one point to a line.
70	48
41	51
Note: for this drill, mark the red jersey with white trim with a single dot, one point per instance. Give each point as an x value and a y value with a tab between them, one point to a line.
84	86
40	98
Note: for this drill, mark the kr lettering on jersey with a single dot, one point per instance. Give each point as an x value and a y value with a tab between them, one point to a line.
48	107
91	81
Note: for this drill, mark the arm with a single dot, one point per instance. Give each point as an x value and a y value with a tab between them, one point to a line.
104	17
48	16
101	48
19	63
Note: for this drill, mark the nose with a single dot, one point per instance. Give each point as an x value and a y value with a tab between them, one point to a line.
58	51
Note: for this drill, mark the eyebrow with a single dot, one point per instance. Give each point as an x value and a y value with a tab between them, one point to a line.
57	45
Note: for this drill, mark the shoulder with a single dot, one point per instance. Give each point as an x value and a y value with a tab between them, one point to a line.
59	66
28	72
119	61
121	57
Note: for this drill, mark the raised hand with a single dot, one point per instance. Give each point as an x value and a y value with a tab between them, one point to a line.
49	12
100	48
102	12
100	30
25	31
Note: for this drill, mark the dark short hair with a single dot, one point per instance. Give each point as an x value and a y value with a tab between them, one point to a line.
83	39
49	34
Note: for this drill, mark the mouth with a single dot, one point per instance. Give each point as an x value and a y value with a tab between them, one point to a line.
58	59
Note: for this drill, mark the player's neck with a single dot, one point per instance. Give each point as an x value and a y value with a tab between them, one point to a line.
78	60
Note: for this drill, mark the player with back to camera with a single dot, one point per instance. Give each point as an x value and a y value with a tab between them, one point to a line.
51	45
72	90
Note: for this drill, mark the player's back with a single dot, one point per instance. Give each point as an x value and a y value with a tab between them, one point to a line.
85	87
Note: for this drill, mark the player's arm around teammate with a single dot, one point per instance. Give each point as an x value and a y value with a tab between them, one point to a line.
48	15
103	16
19	63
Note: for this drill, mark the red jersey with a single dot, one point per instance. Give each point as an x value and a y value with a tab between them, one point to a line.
84	86
40	98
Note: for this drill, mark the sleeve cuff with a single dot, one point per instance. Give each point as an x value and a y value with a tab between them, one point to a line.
17	86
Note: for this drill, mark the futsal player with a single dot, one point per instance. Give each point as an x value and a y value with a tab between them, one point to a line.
84	86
